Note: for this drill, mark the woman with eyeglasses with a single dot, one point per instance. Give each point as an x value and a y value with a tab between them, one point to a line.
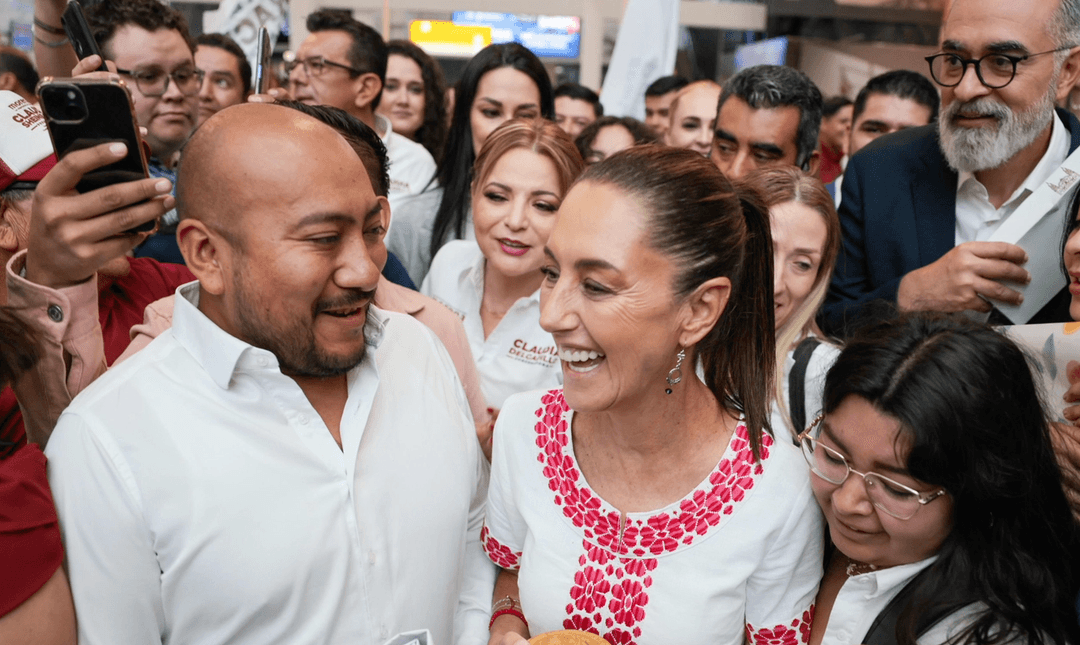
933	466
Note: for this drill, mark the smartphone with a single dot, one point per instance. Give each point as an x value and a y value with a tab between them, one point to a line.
84	112
262	65
78	32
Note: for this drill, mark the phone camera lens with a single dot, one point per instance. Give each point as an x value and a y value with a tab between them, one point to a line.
72	96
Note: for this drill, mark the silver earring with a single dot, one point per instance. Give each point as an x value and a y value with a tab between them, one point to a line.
675	375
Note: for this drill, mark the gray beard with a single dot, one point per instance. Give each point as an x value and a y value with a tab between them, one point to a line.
976	149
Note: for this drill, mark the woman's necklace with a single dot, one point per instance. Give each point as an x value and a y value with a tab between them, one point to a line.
855	568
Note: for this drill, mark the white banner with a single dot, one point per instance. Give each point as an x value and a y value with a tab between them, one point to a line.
644	51
241	20
1037	226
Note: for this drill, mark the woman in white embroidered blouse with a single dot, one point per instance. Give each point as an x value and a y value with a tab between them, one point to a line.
520	177
640	503
934	468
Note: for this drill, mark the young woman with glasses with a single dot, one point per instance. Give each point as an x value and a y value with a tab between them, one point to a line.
933	465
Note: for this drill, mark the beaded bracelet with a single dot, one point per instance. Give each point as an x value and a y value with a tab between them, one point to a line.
507	601
44	26
512	612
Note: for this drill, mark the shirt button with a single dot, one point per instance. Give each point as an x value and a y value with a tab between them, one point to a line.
842	635
304	419
371	557
56	314
262	361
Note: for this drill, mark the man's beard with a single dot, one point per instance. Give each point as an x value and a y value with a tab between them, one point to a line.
986	148
292	340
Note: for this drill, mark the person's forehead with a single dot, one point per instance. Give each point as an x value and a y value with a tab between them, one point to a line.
509	86
778	126
214	59
613	137
699	101
973	25
403	67
571	105
894	109
132	46
332	44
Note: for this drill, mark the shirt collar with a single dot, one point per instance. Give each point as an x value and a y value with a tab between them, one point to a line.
221	354
885	580
383	127
1054	156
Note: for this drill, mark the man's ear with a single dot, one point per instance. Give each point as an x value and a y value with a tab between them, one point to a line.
206	253
8	240
703	309
813	163
1070	74
368	87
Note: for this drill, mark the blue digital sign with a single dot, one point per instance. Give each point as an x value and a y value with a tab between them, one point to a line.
545	36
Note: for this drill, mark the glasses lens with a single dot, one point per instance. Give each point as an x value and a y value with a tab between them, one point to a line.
151	82
893	498
826	463
947	69
997	70
188	80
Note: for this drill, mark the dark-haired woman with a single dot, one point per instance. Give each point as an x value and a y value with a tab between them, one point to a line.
414	96
934	468
500	83
610	134
640	502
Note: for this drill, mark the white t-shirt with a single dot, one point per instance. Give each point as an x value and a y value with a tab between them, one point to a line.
203	500
518	355
739	556
411	165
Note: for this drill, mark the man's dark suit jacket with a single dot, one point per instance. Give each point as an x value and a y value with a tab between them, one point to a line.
898	214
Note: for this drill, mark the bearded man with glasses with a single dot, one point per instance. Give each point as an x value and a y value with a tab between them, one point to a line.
919	206
155	55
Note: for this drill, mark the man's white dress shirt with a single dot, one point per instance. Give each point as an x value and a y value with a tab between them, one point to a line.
518	355
411	165
977	218
203	500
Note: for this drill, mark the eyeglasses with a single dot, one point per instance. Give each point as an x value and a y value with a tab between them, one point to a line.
316	66
892	497
154	82
994	70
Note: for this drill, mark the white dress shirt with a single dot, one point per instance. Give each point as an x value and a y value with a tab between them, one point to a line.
977	218
518	355
203	500
863	597
411	165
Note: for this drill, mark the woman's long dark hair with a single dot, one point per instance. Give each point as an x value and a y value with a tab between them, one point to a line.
433	129
455	168
710	229
966	401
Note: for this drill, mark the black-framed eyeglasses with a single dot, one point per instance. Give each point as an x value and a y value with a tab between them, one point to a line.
154	82
888	495
994	70
316	66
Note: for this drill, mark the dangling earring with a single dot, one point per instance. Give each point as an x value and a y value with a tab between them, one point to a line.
675	375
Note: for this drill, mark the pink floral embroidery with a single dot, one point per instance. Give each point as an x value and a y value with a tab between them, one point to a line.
610	590
497	553
797	633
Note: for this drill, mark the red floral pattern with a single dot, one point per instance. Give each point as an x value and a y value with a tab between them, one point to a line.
798	633
497	553
610	591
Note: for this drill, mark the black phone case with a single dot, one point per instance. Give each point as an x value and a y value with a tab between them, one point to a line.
262	66
109	117
78	32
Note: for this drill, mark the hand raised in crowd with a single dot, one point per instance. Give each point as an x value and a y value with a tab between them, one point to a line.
505	631
72	235
964	278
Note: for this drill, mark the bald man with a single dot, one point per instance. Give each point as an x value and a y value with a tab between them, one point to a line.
287	463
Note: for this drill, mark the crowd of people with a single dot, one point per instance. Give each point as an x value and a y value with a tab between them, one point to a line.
470	365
